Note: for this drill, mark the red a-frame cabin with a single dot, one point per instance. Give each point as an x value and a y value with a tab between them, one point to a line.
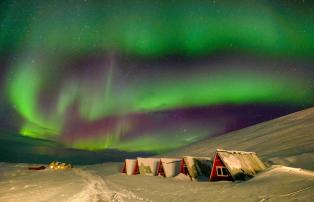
219	171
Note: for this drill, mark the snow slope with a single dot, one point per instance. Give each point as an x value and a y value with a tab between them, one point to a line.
288	140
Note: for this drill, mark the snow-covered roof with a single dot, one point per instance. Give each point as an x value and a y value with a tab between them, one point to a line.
234	151
240	163
170	160
199	157
198	166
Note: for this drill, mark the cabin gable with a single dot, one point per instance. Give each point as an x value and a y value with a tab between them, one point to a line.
219	170
123	168
136	169
183	167
161	171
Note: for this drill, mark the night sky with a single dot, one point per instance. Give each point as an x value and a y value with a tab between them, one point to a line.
151	75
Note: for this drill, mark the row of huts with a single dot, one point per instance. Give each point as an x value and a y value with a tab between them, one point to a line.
226	165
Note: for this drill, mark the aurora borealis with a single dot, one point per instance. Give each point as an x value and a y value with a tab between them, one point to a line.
151	75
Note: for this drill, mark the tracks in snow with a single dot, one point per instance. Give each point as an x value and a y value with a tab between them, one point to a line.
96	189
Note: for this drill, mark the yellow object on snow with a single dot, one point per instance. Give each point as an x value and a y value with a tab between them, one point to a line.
55	165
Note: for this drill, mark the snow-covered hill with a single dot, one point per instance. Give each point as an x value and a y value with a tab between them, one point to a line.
288	140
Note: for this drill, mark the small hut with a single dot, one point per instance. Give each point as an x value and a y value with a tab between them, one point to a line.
148	166
130	167
169	167
235	165
197	168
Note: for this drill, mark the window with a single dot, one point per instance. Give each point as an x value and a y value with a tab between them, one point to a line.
222	171
218	171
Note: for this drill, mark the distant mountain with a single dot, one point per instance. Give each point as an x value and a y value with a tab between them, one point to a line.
17	148
288	140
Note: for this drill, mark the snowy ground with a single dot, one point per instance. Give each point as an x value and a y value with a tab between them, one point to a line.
287	141
102	183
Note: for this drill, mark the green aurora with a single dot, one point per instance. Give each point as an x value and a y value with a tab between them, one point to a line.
158	28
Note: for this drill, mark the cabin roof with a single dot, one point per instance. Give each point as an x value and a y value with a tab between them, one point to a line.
241	163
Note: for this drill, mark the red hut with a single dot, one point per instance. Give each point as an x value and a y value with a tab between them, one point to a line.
235	165
219	170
